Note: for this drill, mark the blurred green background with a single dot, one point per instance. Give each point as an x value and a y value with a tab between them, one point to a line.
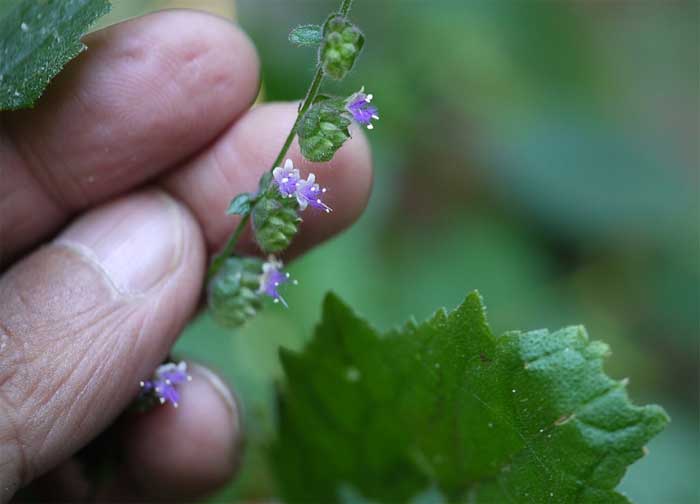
544	153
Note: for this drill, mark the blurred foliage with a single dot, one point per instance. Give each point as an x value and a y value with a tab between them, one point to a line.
543	152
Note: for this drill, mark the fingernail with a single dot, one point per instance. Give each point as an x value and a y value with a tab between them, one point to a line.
135	241
224	392
219	386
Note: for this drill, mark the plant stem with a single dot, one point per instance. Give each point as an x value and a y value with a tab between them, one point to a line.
345	7
308	100
227	251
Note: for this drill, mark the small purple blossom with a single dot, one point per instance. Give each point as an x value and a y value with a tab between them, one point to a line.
291	185
359	106
162	384
272	277
286	178
309	193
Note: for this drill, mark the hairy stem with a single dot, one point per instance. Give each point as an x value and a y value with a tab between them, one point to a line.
228	250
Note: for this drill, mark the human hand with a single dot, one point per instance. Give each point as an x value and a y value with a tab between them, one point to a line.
128	165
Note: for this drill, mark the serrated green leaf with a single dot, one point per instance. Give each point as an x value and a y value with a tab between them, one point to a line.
37	38
306	35
524	417
240	205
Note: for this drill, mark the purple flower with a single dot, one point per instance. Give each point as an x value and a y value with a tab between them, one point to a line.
309	193
162	384
272	277
286	178
359	106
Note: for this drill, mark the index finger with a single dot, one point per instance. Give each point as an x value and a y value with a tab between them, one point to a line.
148	93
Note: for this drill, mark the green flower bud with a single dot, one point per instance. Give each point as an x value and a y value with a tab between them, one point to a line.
323	129
234	293
342	43
275	222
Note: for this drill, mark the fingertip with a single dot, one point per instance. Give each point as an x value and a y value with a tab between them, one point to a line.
186	451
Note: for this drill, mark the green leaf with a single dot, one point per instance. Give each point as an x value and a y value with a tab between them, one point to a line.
323	129
445	408
306	35
37	38
240	205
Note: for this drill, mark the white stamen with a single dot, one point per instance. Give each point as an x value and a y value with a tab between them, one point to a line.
318	201
369	127
369	98
175	404
275	300
324	190
168	382
142	384
287	275
375	117
162	400
295	282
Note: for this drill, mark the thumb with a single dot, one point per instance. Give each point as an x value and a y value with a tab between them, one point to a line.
83	320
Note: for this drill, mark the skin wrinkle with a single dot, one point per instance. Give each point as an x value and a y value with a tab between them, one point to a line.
53	393
23	302
12	441
38	169
53	423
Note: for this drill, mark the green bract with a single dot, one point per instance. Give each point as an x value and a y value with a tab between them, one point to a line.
275	222
241	204
234	292
323	129
306	35
448	410
342	43
37	38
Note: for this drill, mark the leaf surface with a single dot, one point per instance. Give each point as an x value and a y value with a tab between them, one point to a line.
37	38
446	408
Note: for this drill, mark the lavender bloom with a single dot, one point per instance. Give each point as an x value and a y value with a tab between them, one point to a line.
272	277
359	106
162	384
286	178
309	193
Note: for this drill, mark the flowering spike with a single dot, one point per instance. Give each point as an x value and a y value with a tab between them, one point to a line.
161	386
309	193
271	279
359	107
